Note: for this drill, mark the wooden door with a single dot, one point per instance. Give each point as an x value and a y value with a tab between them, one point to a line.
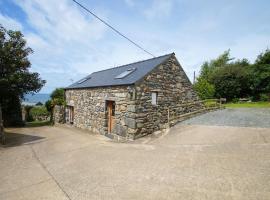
71	112
111	113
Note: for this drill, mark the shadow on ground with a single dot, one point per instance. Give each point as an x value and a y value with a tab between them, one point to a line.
16	139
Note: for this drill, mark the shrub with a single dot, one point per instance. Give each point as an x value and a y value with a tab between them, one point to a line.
58	97
39	113
235	100
204	89
264	97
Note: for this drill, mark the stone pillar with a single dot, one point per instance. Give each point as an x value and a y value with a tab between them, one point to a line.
59	114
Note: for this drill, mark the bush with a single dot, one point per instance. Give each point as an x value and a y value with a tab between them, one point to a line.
40	113
204	89
264	97
235	100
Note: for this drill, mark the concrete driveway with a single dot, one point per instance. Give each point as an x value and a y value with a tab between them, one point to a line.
192	161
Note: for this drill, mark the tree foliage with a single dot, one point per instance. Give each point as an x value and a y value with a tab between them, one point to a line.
15	77
231	82
204	89
58	97
235	79
260	79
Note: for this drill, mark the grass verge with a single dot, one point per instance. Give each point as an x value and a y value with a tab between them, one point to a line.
248	105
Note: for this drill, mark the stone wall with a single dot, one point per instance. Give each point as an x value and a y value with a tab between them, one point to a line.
175	97
90	110
135	116
59	114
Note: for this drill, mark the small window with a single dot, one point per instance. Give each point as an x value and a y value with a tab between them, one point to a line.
154	98
125	73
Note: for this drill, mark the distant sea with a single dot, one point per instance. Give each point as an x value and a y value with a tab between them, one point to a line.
33	99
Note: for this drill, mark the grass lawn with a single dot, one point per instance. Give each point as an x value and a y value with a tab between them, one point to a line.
248	105
38	123
211	103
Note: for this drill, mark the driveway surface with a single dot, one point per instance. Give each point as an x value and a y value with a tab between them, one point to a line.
191	161
241	117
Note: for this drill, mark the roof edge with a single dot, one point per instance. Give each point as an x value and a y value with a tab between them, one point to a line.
102	86
133	62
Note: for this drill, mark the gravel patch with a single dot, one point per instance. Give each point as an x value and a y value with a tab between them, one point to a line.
240	117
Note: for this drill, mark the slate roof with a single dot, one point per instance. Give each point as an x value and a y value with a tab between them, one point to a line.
107	77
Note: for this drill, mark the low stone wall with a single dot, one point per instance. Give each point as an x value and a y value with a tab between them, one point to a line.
180	118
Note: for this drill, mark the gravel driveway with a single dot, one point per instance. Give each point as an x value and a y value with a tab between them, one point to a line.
240	117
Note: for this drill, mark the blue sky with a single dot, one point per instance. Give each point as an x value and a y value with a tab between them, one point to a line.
68	43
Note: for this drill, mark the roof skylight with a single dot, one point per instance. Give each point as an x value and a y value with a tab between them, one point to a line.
125	73
83	80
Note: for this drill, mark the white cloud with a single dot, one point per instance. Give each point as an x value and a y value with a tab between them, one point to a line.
159	9
69	43
10	23
64	40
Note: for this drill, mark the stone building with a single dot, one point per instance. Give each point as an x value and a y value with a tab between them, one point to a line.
133	100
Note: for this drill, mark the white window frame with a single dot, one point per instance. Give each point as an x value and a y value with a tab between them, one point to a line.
154	96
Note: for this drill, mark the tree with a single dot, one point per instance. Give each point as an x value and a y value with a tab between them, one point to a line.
39	104
204	89
58	97
15	78
232	81
261	75
208	69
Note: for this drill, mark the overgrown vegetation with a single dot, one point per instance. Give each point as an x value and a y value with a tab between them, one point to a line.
225	77
39	113
57	98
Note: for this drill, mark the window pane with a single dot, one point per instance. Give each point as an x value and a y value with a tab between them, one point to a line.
125	73
154	98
